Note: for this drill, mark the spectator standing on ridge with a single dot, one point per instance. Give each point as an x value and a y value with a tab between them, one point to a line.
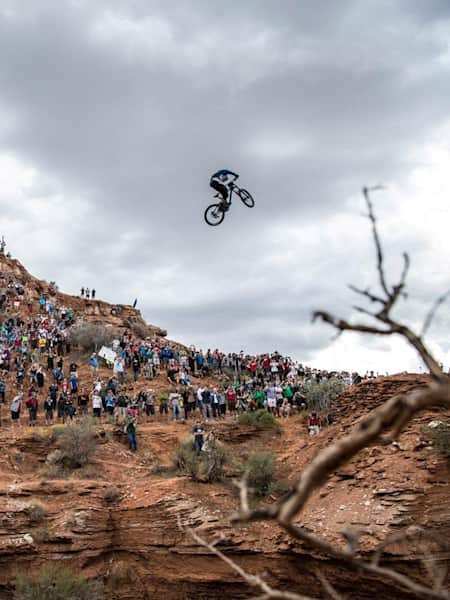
174	400
97	405
32	405
313	424
118	369
93	362
49	407
130	430
16	406
198	430
2	398
2	391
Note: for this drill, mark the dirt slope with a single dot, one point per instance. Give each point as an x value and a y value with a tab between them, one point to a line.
135	544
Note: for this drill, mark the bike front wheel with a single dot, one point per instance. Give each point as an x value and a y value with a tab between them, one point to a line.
246	198
214	215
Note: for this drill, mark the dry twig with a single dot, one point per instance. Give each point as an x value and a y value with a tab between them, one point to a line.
391	417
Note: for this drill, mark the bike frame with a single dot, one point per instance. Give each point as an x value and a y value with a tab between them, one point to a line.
233	188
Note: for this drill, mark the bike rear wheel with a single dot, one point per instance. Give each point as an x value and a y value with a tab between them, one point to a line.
214	215
246	198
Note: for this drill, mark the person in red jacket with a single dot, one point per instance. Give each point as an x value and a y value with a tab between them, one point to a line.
313	424
231	400
32	405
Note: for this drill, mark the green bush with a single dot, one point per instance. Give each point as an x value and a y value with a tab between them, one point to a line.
90	337
112	494
75	444
40	534
56	583
438	433
320	396
207	467
260	470
36	512
261	419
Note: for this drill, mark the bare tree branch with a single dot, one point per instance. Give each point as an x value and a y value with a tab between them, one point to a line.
367	293
334	595
430	316
380	267
343	325
391	295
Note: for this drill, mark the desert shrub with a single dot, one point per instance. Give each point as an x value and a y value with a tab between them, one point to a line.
89	337
207	467
76	444
185	458
261	419
40	534
212	462
438	433
36	512
119	574
148	458
260	470
280	487
56	583
47	434
54	468
112	494
320	396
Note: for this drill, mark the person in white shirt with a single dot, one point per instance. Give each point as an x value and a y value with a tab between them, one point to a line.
96	405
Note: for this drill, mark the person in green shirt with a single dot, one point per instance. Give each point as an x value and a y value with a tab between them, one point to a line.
288	392
259	397
130	429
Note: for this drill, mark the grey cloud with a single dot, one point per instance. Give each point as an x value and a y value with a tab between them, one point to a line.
308	104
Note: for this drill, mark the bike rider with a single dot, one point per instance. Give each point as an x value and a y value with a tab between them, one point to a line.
221	181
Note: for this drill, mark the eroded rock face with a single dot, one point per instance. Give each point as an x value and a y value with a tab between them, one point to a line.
132	540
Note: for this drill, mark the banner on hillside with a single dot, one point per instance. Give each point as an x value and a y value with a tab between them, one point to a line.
107	353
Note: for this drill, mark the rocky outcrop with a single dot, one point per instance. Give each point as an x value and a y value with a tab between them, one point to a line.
96	311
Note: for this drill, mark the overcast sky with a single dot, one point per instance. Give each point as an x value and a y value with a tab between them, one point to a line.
113	115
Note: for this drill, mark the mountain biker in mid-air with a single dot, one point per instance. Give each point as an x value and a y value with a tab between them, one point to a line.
220	181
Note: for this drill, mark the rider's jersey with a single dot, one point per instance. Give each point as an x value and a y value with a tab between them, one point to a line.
224	176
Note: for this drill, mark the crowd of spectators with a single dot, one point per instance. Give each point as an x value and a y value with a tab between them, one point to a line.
38	374
87	293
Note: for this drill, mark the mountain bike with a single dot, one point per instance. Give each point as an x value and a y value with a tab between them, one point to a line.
215	213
